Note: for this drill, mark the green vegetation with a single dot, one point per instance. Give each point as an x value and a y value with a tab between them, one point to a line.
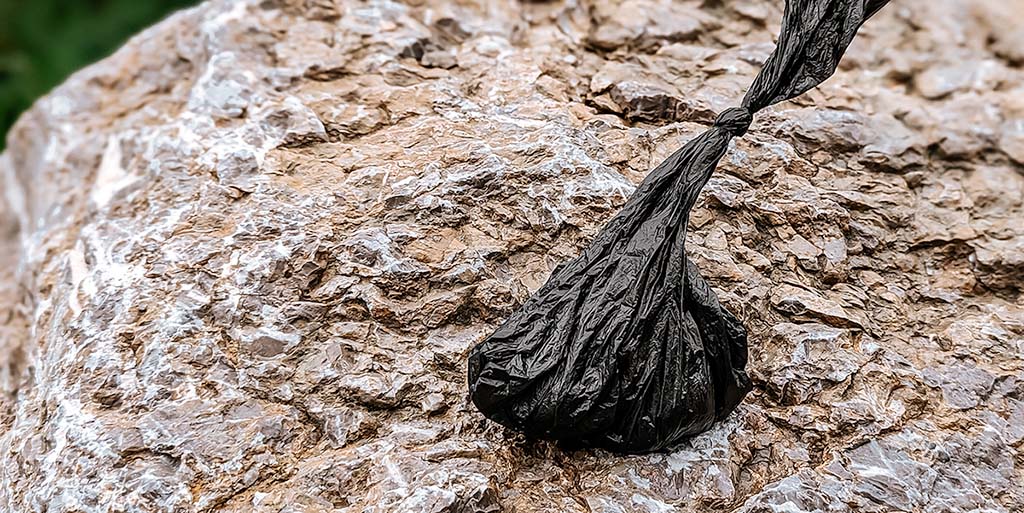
43	41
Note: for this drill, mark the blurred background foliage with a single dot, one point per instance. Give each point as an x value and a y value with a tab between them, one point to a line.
44	41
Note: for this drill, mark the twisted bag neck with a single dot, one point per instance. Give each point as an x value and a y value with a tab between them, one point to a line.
814	35
735	120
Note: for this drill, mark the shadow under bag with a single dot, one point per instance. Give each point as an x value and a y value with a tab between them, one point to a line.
626	346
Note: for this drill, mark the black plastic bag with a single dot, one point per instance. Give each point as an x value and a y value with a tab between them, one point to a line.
627	347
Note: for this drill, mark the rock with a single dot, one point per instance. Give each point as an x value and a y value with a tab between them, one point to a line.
242	259
637	95
827	130
647	23
805	252
804	359
1000	263
1011	140
939	81
963	386
801	303
967	126
901	472
835	250
997	20
894	146
997	189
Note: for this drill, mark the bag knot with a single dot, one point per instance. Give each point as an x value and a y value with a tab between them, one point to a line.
735	120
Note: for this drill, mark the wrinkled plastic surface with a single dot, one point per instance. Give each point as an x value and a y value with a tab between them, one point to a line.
626	347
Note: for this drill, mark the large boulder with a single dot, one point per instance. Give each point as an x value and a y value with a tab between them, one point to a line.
243	259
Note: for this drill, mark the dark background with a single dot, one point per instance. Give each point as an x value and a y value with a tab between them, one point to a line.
44	41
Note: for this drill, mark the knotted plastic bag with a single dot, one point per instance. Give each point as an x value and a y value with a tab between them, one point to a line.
626	347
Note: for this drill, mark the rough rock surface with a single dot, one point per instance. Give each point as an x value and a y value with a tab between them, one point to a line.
243	259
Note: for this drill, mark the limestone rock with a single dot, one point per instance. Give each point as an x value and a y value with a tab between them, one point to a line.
243	259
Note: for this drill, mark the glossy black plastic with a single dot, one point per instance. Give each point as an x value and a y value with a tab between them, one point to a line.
626	347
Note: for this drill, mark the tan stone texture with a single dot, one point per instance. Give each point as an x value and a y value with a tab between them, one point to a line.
243	259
